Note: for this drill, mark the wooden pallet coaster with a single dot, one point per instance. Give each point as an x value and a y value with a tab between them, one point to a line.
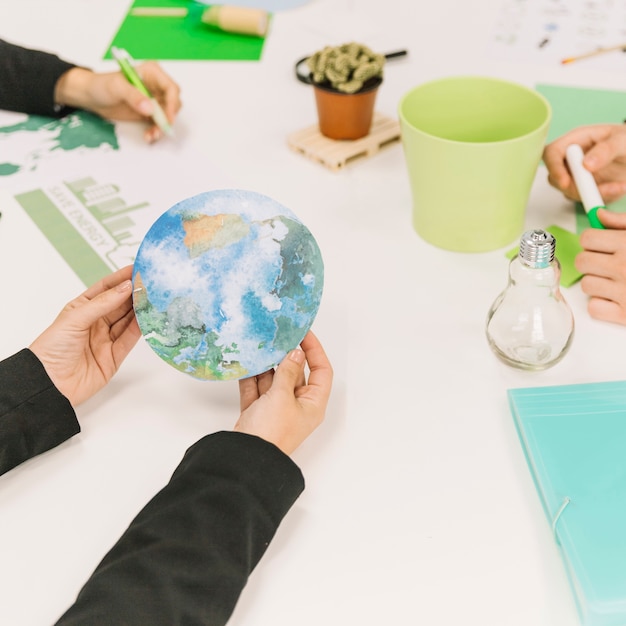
334	153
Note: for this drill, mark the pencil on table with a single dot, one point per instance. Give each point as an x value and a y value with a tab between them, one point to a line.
593	53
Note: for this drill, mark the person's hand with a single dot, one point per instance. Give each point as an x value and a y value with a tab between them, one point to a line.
604	146
111	96
603	263
86	344
281	407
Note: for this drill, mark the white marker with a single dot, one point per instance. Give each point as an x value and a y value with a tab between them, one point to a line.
585	183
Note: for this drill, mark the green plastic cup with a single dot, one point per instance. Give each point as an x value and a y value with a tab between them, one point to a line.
472	147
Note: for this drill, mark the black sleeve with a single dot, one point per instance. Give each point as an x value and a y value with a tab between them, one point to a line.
187	555
28	78
34	415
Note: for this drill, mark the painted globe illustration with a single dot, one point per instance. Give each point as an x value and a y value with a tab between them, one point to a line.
226	283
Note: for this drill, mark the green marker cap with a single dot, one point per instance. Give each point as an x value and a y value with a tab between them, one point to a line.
593	217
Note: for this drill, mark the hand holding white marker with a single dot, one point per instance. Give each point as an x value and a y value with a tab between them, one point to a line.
585	183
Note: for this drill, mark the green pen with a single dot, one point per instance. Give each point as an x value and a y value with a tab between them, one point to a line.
125	62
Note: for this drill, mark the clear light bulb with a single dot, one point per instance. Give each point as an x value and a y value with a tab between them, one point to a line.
530	325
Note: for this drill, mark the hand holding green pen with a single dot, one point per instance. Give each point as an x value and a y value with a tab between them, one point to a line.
125	62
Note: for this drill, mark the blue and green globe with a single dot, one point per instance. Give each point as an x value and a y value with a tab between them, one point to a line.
226	283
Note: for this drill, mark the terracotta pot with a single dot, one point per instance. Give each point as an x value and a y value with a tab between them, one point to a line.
346	115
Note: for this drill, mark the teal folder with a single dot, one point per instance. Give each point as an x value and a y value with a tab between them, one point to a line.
574	439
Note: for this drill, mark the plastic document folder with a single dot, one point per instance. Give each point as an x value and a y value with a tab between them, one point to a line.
574	438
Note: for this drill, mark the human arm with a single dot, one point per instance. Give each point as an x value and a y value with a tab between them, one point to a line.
603	263
28	79
68	363
604	146
187	555
34	415
40	83
111	96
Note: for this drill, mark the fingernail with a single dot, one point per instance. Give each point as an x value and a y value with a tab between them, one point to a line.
297	355
125	286
589	161
153	135
146	107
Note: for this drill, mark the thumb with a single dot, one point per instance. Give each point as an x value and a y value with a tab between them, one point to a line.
84	315
289	372
612	219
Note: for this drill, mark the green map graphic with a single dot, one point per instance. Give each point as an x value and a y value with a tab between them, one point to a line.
78	130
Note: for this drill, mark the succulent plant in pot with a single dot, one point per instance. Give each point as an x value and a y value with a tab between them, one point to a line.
346	80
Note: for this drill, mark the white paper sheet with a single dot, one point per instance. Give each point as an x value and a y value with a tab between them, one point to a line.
548	31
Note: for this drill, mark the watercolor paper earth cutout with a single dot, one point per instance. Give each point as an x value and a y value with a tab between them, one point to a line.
226	283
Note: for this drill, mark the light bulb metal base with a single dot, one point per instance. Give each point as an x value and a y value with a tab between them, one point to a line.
537	248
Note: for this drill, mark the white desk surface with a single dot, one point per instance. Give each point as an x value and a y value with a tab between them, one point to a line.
419	507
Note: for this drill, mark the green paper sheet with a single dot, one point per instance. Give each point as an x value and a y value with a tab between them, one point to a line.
567	247
180	38
573	107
